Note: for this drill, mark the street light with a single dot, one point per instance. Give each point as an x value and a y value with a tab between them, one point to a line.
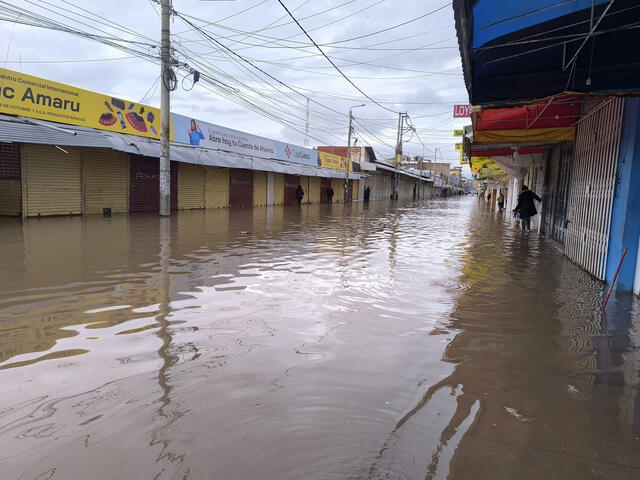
346	180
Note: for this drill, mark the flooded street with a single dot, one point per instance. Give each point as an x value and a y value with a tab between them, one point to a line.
348	342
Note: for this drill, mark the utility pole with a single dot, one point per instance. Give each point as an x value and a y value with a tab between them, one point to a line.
420	172
398	159
166	77
346	180
306	127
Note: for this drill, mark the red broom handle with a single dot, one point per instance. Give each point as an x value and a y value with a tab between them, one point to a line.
615	277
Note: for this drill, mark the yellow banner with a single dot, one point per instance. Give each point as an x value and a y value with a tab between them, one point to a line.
36	97
329	160
458	147
458	132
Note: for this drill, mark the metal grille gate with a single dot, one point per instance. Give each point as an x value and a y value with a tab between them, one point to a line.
593	184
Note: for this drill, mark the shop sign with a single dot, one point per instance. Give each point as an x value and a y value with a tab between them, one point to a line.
461	111
458	132
35	97
329	160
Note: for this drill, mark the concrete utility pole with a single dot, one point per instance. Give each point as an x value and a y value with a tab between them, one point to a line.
420	172
166	77
398	159
346	180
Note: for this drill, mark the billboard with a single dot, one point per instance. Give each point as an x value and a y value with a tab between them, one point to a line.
202	134
35	97
42	99
329	160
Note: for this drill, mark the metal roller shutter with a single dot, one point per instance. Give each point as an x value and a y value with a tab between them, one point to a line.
593	183
314	189
144	181
278	189
216	187
53	180
338	189
191	180
291	183
105	180
10	179
259	189
240	188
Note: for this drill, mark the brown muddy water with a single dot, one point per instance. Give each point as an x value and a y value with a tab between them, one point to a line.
429	341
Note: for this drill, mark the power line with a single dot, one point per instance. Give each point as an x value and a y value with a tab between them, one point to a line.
331	61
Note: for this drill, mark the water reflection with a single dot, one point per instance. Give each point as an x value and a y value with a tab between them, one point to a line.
377	341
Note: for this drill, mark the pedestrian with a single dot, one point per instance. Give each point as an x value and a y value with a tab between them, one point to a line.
367	194
415	192
329	195
526	208
500	201
299	194
489	197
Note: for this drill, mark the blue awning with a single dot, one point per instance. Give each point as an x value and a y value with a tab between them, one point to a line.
522	50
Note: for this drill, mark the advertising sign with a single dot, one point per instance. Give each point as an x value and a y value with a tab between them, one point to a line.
330	160
194	132
42	99
461	111
458	132
458	147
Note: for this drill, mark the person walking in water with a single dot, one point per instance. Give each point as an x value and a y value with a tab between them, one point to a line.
299	194
329	192
500	201
526	208
367	194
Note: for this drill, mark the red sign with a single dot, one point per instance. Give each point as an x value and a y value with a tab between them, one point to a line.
461	111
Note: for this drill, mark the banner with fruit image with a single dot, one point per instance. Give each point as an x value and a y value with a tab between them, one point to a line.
35	97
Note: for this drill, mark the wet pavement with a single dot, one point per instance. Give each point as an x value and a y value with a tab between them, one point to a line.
419	342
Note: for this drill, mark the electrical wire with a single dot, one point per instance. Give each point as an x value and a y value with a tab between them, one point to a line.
331	61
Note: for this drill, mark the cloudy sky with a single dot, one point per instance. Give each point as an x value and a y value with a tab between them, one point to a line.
258	67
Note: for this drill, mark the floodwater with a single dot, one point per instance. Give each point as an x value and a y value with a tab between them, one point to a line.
430	341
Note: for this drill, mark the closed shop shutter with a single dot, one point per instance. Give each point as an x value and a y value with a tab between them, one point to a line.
10	179
216	187
191	186
314	189
259	188
144	184
592	184
291	183
338	189
240	188
355	189
278	189
105	180
53	180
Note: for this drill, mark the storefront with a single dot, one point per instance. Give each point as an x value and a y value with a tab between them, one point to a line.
10	179
145	187
240	188
291	183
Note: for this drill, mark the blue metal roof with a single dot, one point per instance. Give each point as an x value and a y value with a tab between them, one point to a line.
519	50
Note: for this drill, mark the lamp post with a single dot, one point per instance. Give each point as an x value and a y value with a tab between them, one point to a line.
346	180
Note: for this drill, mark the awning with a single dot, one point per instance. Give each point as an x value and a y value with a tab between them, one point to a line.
19	130
521	50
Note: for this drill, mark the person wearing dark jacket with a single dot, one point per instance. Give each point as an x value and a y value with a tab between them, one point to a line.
299	194
526	207
329	192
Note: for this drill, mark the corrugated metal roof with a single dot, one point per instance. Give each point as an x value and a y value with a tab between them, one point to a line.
19	130
22	130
